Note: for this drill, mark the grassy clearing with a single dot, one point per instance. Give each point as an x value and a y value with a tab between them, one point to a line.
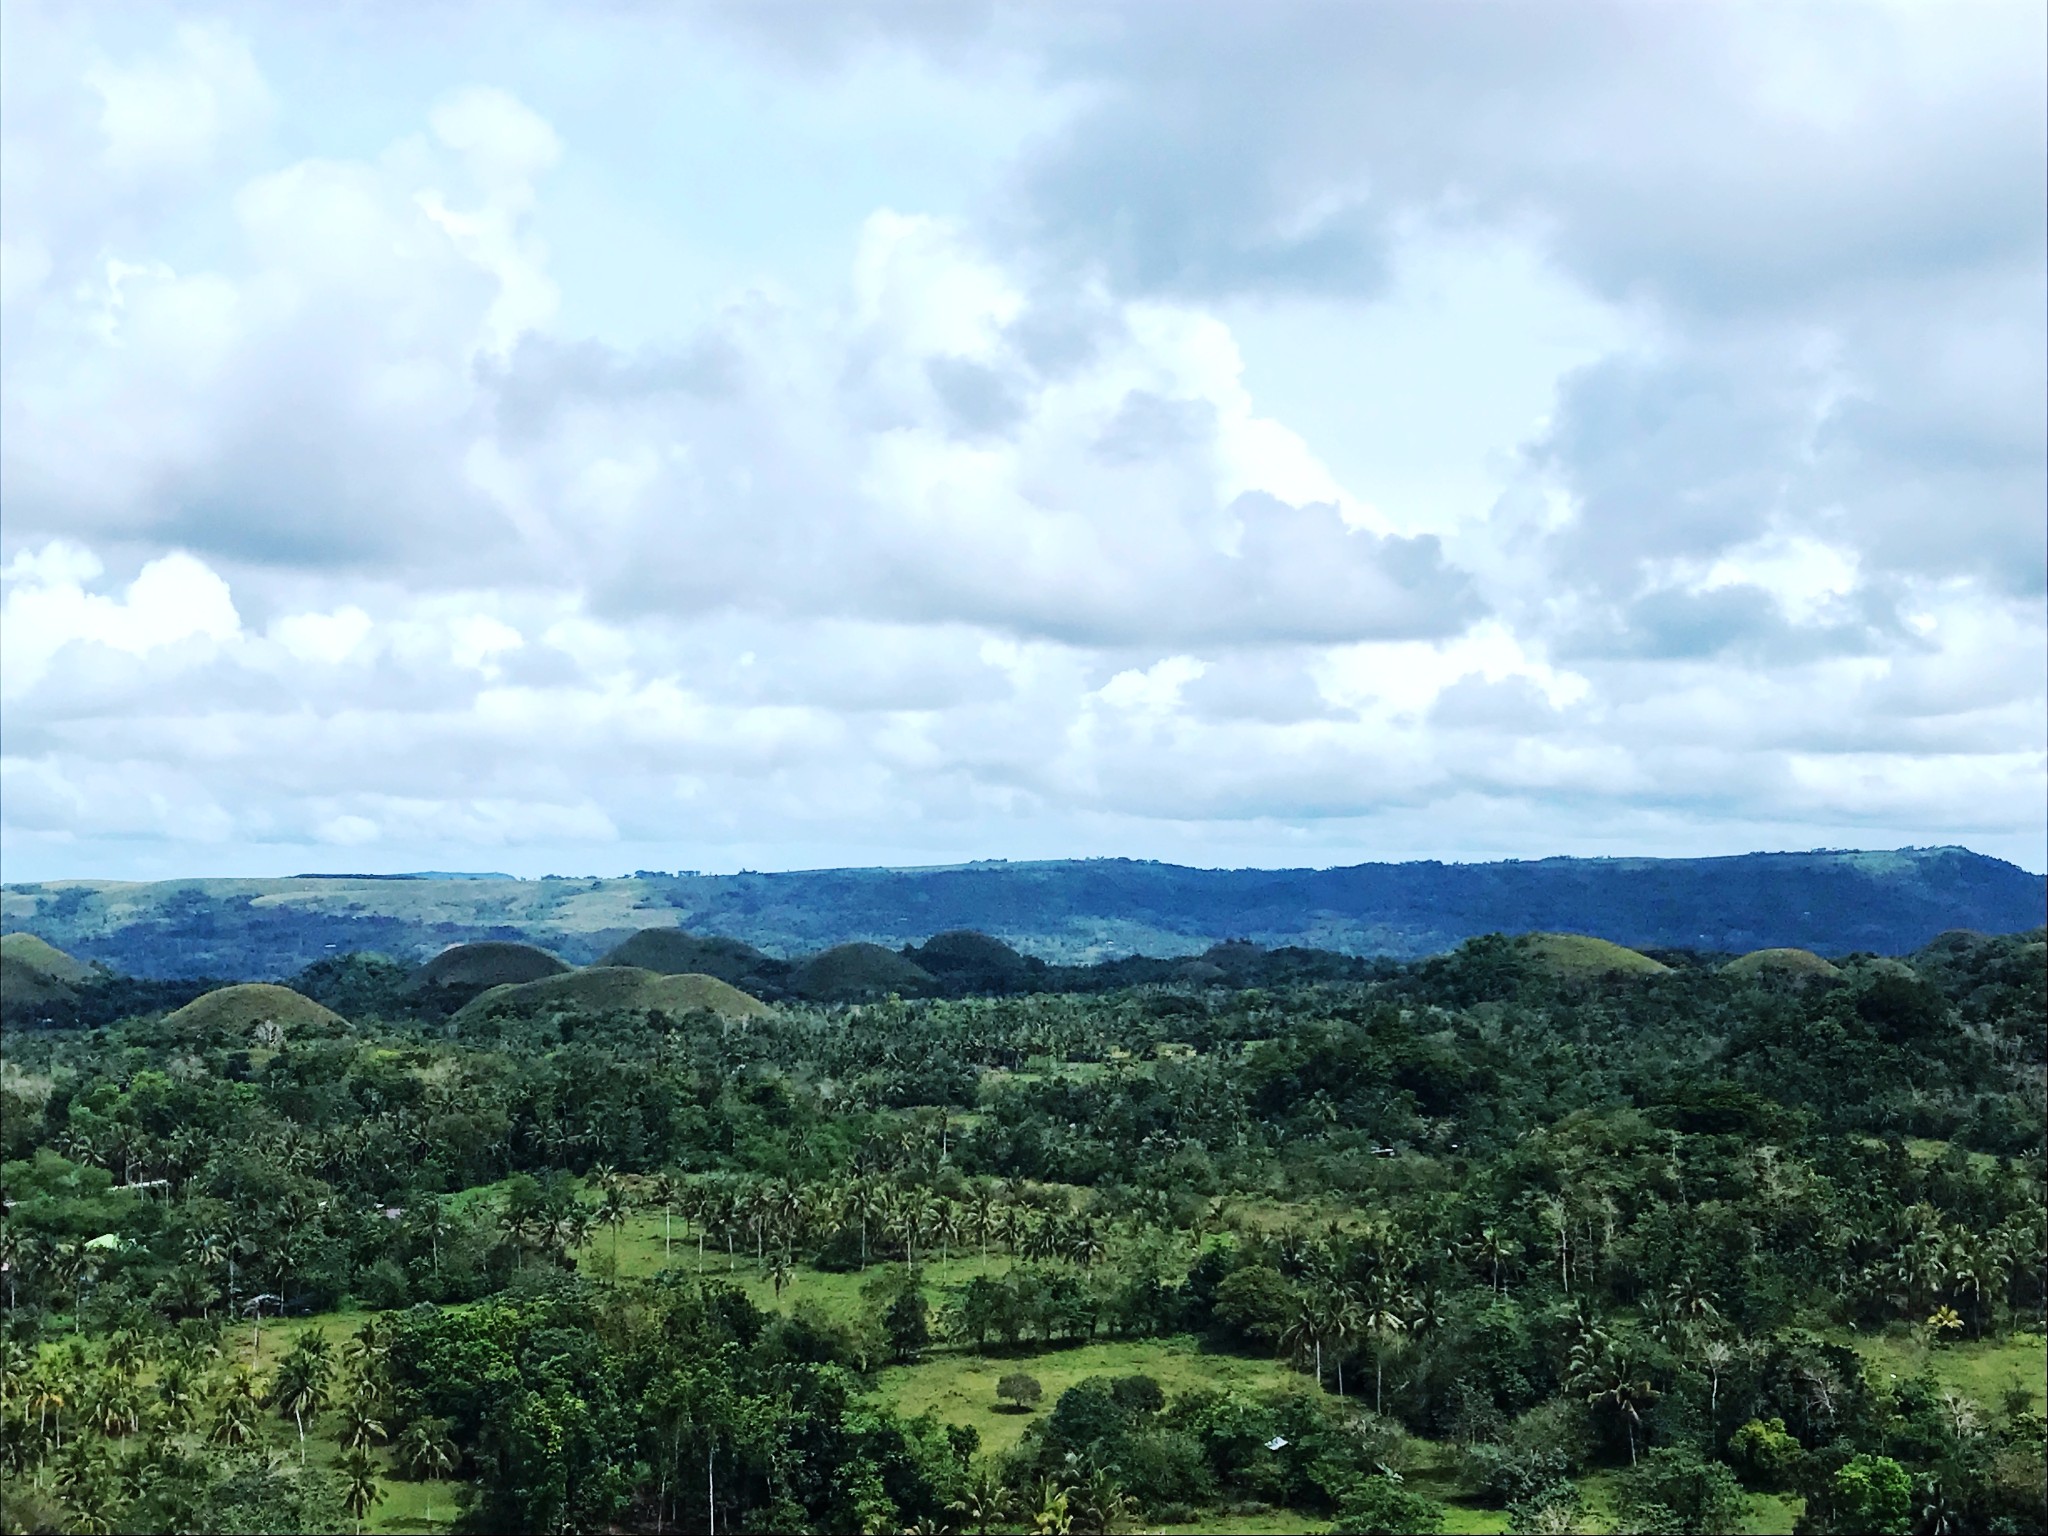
415	1507
1275	1522
1982	1370
1773	1514
641	1255
961	1388
1923	1149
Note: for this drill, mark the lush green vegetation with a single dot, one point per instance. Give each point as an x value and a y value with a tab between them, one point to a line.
1511	1239
1074	911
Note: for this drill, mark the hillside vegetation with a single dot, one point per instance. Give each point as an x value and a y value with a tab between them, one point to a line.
38	982
247	1010
1542	1234
851	972
1577	956
469	968
1795	964
609	989
1070	912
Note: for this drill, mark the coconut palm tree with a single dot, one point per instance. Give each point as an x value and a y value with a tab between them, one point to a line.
359	1422
1383	1318
425	1450
869	1205
359	1490
1343	1324
1496	1247
612	1210
178	1393
300	1387
1617	1384
1305	1331
670	1188
946	1226
14	1251
1691	1302
432	1219
234	1416
982	1204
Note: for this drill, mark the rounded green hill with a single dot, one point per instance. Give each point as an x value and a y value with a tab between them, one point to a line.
26	950
1580	955
38	981
471	968
612	989
1791	964
672	952
851	972
238	1011
966	949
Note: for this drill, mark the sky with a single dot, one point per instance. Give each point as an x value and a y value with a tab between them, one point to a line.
587	438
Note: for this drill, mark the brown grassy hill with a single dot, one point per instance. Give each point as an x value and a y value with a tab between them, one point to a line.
850	972
1578	956
612	989
38	981
672	952
236	1012
1790	964
471	968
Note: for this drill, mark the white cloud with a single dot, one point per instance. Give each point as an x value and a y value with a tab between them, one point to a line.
1054	527
46	608
170	112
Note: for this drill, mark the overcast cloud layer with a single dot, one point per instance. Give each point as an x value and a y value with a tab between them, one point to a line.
581	440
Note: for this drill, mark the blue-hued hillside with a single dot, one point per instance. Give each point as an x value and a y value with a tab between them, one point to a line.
1065	911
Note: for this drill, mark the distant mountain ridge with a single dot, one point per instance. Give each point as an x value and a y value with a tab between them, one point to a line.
1069	910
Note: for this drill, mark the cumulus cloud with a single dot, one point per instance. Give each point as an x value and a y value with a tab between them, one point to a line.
170	112
324	529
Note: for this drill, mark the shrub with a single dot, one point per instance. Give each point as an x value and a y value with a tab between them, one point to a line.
1500	1476
1675	1491
1872	1494
383	1286
1380	1506
1766	1455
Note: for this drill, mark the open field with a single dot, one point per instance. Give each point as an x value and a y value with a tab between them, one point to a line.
1981	1370
961	1387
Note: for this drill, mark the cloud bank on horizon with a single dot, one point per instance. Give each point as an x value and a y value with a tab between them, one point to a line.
586	438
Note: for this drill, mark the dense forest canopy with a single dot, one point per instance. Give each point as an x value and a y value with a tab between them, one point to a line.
1538	1235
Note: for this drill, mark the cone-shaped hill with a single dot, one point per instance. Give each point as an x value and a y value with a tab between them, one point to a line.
965	960
963	949
1576	956
1789	964
611	989
230	1014
461	972
672	952
38	981
852	972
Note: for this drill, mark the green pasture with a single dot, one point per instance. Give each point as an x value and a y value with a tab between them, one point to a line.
960	1388
1982	1370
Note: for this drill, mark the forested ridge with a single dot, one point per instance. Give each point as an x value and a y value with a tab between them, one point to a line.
1069	912
1507	1239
